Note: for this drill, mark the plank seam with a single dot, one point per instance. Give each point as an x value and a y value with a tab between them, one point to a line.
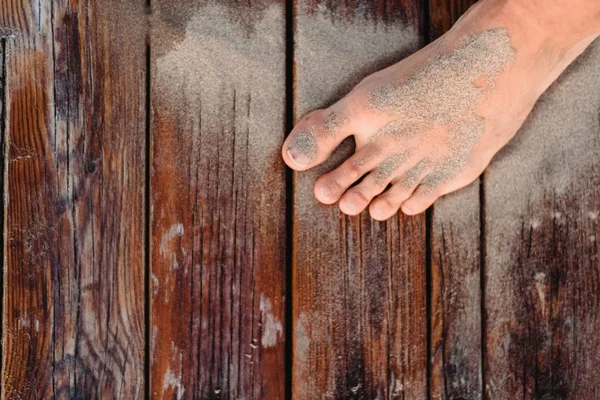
482	281
147	220
289	201
426	17
3	138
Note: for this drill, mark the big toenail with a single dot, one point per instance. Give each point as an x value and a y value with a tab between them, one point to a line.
298	157
325	192
303	148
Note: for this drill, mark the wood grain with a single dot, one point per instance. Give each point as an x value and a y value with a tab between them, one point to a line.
456	296
542	265
218	199
444	13
359	296
456	356
73	314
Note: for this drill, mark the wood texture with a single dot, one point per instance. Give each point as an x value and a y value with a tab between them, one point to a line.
359	296
73	315
218	199
444	13
455	241
456	296
82	86
542	266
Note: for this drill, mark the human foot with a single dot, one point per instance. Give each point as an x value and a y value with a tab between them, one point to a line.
430	124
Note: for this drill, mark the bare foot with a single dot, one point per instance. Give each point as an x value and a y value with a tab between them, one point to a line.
431	123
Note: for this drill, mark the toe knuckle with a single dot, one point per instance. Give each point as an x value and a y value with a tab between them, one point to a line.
356	170
360	196
390	203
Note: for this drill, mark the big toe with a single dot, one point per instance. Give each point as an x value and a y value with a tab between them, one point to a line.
313	139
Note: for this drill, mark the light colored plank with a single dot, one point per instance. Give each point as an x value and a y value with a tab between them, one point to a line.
456	296
456	361
359	294
542	266
218	199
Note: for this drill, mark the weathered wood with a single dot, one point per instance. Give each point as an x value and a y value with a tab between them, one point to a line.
359	288
456	296
456	362
444	13
3	162
218	199
542	265
73	313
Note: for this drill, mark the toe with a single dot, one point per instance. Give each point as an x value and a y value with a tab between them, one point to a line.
358	198
313	139
331	186
388	203
352	203
355	200
422	198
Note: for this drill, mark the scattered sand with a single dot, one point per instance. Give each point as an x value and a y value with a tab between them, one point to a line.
443	92
554	155
411	178
334	122
388	166
399	129
337	54
327	44
214	64
306	142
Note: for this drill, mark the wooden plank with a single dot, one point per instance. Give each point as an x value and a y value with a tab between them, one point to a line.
73	284
444	13
218	199
359	286
542	265
456	296
456	362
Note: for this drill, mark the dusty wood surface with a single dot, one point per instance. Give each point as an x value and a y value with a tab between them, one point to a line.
359	319
456	296
456	357
218	200
542	232
73	306
117	116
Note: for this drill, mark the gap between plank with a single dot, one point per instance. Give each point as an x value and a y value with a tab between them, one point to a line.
147	226
3	175
289	200
482	280
426	16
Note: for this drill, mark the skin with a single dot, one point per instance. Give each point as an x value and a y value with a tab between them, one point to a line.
545	35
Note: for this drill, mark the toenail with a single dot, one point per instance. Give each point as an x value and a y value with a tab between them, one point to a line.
298	157
325	192
303	148
351	207
377	213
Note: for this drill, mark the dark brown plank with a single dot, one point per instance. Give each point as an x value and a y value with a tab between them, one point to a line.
218	199
542	265
455	269
444	13
73	281
359	288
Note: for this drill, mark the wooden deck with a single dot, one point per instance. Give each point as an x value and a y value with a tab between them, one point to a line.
154	244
